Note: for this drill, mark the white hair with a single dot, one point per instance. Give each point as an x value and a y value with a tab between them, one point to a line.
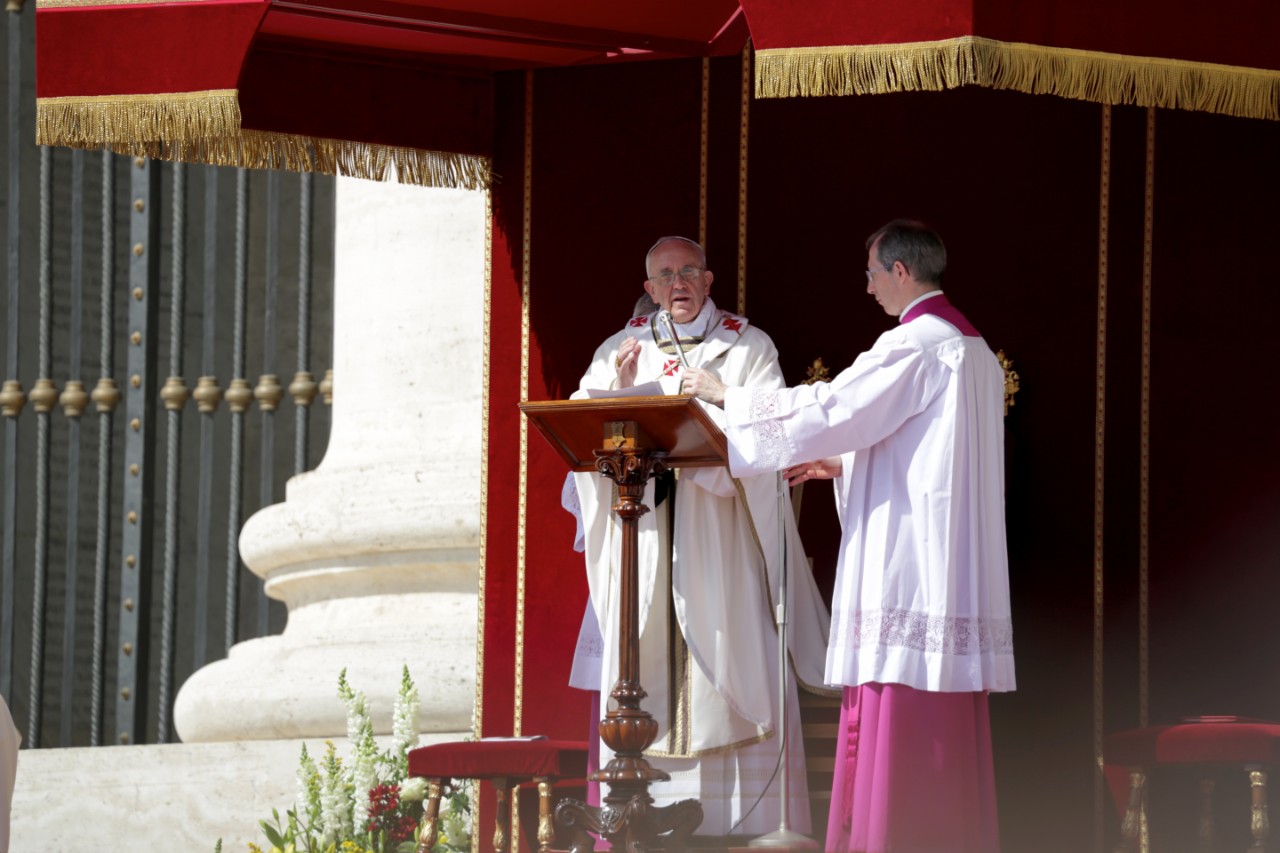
702	254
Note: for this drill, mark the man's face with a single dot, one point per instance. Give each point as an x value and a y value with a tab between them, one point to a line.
888	286
667	284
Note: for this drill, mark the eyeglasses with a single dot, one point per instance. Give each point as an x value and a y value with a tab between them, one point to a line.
872	273
667	277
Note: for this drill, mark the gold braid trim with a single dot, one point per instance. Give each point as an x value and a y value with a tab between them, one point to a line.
204	127
1107	78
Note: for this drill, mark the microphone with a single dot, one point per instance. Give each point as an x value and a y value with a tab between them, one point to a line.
665	318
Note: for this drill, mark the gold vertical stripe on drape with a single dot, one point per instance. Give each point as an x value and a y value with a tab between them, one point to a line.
1099	458
522	519
521	522
487	367
1148	235
702	156
744	125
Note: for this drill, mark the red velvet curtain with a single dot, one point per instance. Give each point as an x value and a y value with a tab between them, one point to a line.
1231	32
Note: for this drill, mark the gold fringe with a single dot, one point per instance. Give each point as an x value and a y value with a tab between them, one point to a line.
84	122
1106	78
204	127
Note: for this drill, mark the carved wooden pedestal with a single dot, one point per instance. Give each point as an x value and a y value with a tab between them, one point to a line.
628	818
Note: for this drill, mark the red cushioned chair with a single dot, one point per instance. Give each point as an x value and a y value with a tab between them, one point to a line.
503	763
1251	745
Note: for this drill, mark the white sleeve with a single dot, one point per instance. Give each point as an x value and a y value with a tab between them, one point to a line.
769	430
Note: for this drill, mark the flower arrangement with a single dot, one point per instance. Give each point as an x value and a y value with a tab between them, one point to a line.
368	803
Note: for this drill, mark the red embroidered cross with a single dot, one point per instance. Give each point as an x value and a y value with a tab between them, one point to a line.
638	321
670	368
732	324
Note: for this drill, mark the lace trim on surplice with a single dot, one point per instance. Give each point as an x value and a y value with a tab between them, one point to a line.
590	645
923	632
772	446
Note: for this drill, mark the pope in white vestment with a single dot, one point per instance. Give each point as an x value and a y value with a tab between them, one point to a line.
912	434
708	576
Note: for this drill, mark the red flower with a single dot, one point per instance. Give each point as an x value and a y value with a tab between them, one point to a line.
383	799
387	814
403	829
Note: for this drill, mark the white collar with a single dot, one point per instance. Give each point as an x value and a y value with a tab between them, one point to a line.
919	299
704	318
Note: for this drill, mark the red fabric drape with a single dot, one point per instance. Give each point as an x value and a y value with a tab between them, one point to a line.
126	50
1231	32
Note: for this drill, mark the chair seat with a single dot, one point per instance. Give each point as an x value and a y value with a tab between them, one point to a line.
492	759
1204	741
504	763
1248	744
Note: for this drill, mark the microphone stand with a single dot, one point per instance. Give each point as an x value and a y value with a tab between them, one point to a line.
783	836
664	317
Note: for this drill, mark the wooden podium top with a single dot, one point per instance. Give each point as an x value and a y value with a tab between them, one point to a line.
675	424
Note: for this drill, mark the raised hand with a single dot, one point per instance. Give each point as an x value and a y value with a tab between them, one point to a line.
627	361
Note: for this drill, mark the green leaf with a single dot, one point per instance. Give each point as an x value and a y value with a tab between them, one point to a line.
272	834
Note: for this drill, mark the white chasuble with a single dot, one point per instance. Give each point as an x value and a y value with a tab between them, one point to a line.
708	581
922	589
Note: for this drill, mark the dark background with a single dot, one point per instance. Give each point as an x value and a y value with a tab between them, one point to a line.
1014	184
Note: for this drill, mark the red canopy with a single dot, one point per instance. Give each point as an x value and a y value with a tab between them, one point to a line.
339	86
1221	57
352	86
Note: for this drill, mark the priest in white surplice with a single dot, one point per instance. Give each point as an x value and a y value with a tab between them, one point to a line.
913	435
708	644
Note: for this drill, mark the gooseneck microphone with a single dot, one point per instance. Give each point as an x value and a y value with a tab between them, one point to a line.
665	318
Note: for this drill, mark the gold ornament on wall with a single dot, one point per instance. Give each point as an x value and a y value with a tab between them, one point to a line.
268	392
207	395
239	395
1011	384
73	398
817	372
12	399
44	396
105	396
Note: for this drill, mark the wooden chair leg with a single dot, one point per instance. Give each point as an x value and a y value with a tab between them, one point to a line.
1259	822
1131	826
1206	816
430	817
502	816
546	829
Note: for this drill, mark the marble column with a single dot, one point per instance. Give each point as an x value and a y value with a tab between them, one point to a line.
376	551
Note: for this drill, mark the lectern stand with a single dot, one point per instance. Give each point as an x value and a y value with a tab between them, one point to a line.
629	440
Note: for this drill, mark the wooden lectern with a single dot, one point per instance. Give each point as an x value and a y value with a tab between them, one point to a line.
629	440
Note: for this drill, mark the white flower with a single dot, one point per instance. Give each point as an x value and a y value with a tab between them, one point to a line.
364	773
404	727
335	803
454	831
309	788
412	789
